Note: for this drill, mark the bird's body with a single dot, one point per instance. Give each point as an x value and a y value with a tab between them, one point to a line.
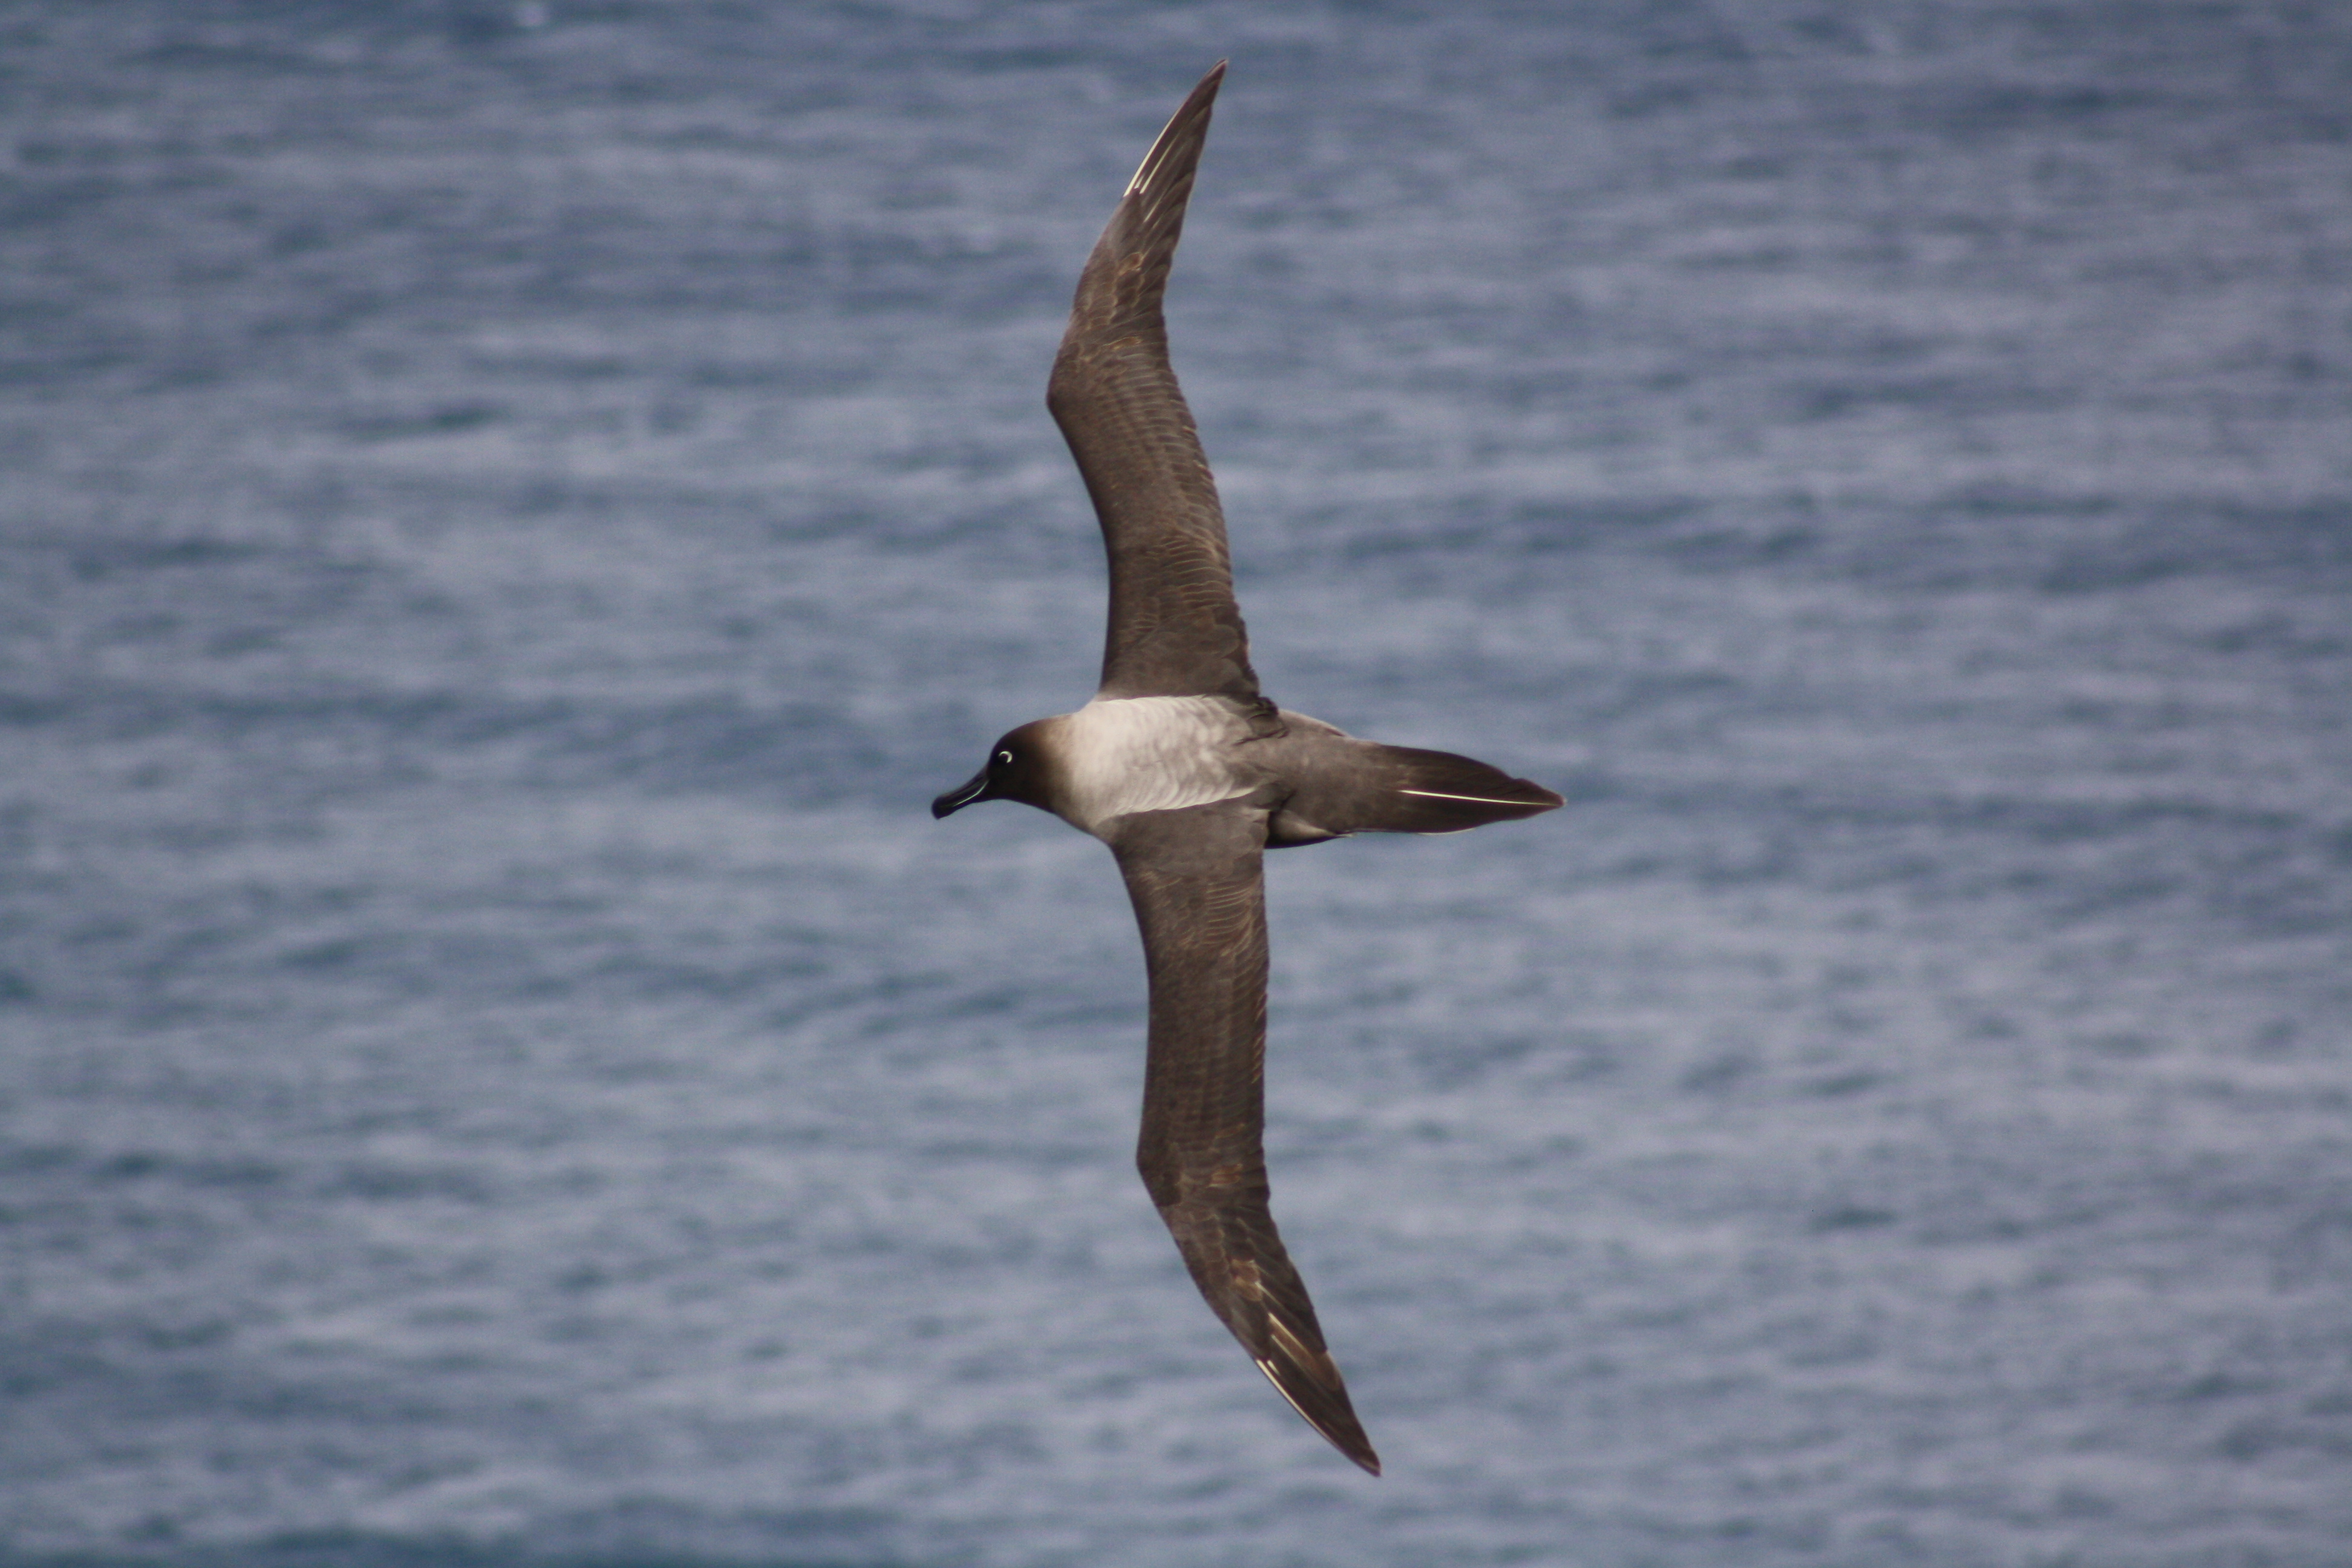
1119	755
1188	774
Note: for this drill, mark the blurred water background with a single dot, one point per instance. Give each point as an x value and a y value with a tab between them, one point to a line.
509	511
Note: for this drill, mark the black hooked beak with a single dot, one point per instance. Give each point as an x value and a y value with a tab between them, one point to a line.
971	789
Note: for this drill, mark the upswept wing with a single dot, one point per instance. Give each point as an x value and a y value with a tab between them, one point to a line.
1196	877
1174	628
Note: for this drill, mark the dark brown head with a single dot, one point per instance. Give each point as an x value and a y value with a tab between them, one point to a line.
1020	767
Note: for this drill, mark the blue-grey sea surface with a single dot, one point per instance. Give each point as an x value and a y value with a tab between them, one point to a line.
508	512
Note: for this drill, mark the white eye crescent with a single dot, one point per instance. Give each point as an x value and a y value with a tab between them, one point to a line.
1004	757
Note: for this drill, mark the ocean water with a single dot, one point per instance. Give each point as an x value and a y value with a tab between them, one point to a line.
508	512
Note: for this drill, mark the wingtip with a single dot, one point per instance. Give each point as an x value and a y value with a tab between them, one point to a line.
1336	1422
1194	107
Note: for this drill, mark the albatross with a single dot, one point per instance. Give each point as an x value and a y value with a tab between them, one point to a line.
1189	775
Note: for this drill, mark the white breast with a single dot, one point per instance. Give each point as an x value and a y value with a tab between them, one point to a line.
1122	754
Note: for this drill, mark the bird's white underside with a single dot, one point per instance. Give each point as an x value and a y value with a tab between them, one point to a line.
1124	755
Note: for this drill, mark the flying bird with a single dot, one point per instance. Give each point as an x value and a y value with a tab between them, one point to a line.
1190	773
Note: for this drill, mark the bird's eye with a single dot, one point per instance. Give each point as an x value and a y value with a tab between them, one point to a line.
1004	757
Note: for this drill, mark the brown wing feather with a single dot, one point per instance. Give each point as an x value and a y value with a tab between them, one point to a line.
1174	628
1196	876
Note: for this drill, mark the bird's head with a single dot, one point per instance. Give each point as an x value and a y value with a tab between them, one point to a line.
1019	767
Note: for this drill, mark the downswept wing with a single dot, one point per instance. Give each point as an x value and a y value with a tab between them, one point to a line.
1174	628
1196	877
